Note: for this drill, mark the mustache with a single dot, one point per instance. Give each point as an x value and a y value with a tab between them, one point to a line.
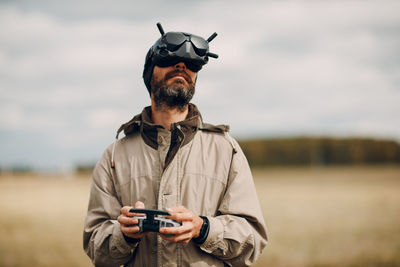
177	72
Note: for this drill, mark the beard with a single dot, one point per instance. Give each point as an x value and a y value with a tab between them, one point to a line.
175	95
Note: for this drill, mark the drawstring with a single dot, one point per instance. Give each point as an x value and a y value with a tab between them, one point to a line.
113	148
112	155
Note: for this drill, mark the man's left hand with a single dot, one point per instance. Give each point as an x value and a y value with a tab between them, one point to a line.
190	228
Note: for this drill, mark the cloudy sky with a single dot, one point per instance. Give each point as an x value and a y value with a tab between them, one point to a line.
70	71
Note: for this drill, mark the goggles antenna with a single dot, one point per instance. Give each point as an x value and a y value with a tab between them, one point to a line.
212	55
160	28
211	37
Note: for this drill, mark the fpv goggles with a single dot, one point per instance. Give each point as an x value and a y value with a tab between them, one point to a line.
174	47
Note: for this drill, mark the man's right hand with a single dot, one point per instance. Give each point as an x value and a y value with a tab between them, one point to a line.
127	221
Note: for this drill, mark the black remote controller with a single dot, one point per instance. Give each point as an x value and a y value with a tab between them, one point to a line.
150	223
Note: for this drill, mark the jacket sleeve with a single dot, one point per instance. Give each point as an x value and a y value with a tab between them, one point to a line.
237	234
103	240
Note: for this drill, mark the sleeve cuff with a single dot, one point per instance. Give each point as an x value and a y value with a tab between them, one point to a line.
215	235
119	247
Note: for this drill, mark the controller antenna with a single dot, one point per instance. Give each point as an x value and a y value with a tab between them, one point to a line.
160	28
212	37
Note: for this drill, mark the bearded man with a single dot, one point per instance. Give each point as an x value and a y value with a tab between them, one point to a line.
171	160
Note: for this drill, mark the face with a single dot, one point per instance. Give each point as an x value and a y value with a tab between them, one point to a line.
173	86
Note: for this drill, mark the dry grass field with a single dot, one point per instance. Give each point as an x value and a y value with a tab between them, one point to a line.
337	216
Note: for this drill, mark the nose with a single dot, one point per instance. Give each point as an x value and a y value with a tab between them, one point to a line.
180	66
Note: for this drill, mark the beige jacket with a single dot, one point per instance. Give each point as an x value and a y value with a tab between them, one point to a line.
196	165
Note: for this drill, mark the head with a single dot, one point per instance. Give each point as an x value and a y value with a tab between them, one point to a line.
172	64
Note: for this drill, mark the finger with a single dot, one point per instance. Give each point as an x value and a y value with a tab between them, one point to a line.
135	214
127	220
176	230
139	205
125	210
177	209
129	230
186	240
187	216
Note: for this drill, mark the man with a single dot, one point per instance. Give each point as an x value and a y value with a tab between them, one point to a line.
170	160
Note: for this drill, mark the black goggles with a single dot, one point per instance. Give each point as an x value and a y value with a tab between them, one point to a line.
175	40
174	47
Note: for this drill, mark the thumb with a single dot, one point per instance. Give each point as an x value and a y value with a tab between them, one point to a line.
139	205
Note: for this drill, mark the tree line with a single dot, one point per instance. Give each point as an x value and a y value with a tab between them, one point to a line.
320	151
304	151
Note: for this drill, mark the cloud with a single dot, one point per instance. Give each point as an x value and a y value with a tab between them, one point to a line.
71	74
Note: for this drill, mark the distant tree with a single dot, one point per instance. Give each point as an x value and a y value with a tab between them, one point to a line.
84	168
21	169
320	151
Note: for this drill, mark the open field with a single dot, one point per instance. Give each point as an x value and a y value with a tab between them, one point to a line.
331	217
337	216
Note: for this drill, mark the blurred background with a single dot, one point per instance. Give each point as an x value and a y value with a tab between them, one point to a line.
311	89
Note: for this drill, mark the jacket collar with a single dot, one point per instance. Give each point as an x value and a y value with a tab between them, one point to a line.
182	132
